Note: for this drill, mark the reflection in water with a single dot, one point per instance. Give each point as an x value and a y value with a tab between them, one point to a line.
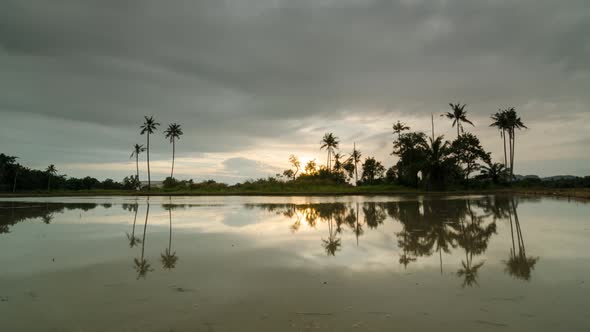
428	227
133	240
169	258
141	265
518	264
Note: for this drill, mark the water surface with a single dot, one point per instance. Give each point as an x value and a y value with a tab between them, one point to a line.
465	263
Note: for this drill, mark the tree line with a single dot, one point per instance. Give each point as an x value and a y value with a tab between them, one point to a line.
429	162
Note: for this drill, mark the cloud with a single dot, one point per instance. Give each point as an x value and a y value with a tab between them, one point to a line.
246	78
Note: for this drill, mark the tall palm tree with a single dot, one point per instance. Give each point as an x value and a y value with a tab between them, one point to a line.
513	122
500	122
137	149
399	127
458	116
148	127
355	159
330	143
173	133
51	171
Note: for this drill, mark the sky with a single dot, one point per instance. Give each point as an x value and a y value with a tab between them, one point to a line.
254	81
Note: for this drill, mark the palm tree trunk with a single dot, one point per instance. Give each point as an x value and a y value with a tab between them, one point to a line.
458	134
14	184
148	162
137	169
49	183
512	158
173	152
504	138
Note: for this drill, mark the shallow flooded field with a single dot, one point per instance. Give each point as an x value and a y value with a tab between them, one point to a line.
465	263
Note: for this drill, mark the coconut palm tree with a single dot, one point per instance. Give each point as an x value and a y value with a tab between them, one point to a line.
459	115
500	122
513	122
354	160
137	149
51	171
437	163
337	161
173	133
169	258
148	127
330	143
399	127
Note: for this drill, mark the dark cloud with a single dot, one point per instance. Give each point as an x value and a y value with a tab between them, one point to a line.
238	74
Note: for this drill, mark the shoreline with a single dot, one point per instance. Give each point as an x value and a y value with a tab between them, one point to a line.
577	193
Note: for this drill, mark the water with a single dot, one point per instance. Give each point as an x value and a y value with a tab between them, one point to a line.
467	263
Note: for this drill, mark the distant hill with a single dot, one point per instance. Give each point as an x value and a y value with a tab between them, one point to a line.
548	178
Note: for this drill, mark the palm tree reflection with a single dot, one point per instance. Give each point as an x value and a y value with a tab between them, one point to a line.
518	264
141	265
333	243
169	258
133	240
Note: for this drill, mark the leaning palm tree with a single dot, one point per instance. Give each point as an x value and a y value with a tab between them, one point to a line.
500	122
148	127
513	122
137	149
458	116
399	127
330	143
51	171
173	133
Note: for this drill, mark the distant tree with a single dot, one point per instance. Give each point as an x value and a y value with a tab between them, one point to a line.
351	164
438	163
458	116
513	122
495	172
294	161
149	126
330	143
390	174
311	167
372	171
468	151
51	171
338	165
288	173
501	122
137	149
173	133
410	148
399	128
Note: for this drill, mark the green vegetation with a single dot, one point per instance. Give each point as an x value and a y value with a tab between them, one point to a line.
424	164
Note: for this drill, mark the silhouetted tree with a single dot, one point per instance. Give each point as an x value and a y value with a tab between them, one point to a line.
458	116
468	151
513	122
51	171
330	143
173	132
501	122
399	128
137	149
372	171
149	126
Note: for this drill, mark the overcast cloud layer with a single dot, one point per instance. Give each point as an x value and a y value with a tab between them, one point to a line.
254	81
